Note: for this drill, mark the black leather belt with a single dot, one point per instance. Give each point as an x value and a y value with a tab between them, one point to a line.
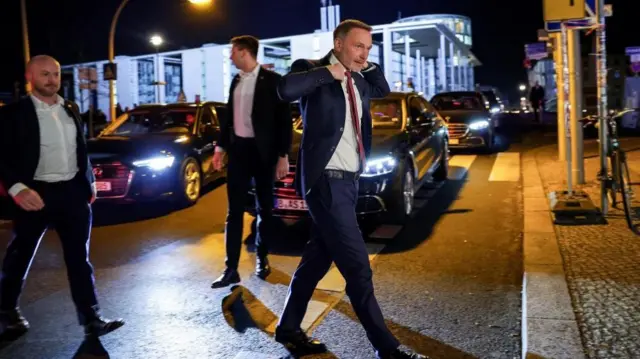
343	175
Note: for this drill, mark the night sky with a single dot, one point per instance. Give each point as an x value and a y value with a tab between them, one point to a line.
77	30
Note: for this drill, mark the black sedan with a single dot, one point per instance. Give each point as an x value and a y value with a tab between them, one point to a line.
468	118
157	152
409	149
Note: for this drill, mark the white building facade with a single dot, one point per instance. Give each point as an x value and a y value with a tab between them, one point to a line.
432	51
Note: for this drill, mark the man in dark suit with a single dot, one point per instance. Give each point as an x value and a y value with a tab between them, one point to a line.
257	136
45	167
334	95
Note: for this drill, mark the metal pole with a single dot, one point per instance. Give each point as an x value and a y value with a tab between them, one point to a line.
25	40
567	113
112	34
562	149
601	61
157	74
575	101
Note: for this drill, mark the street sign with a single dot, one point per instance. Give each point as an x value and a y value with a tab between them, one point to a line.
110	70
561	10
87	74
590	6
634	54
632	50
556	26
536	51
585	20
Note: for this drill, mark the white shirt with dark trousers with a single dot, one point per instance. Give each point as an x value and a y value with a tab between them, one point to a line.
58	160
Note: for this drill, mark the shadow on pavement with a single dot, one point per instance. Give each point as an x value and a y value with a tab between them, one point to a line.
412	339
420	228
91	348
108	214
8	337
242	311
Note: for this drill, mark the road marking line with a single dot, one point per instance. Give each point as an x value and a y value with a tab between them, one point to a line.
459	165
506	168
333	280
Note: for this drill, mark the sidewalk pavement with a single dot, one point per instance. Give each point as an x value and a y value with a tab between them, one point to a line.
581	296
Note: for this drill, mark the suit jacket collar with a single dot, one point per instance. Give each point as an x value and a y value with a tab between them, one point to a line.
326	60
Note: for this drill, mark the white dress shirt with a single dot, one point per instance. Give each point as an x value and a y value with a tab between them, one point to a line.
58	161
346	157
243	104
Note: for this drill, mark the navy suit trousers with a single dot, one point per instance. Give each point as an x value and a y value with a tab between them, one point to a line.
336	237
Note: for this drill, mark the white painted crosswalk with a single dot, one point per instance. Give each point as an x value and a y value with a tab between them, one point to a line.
459	166
506	168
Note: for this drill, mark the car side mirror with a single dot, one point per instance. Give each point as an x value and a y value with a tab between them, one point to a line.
425	118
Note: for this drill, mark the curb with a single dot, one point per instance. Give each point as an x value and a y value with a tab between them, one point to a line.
549	326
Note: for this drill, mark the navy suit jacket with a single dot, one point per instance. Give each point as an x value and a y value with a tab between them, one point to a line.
323	107
20	144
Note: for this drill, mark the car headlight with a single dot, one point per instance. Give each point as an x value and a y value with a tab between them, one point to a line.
155	163
495	110
479	125
379	166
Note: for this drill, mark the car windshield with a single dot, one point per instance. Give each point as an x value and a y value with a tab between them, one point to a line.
158	120
385	114
450	102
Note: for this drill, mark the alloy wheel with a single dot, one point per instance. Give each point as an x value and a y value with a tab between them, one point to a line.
192	181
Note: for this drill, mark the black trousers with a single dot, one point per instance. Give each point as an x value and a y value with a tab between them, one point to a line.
336	237
244	164
68	211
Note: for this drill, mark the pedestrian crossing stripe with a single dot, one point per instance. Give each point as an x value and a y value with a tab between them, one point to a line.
506	168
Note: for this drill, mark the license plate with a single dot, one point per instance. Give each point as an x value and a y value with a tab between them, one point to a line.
103	186
454	141
291	204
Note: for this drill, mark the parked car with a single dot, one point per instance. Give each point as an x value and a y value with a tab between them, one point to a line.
157	152
468	119
409	148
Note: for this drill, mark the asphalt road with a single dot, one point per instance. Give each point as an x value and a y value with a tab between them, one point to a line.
449	282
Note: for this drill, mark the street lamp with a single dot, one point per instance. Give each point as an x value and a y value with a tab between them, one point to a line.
112	35
156	41
25	39
523	88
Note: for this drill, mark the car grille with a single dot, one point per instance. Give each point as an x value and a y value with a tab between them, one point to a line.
457	130
117	174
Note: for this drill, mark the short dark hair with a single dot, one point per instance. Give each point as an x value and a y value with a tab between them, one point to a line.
347	25
247	42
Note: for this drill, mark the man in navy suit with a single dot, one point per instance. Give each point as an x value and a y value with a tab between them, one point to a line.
334	95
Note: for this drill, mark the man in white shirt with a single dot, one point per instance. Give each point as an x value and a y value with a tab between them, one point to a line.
45	167
257	136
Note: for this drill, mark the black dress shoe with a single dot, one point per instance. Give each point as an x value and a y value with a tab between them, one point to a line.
298	343
13	321
100	326
230	276
263	269
402	354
